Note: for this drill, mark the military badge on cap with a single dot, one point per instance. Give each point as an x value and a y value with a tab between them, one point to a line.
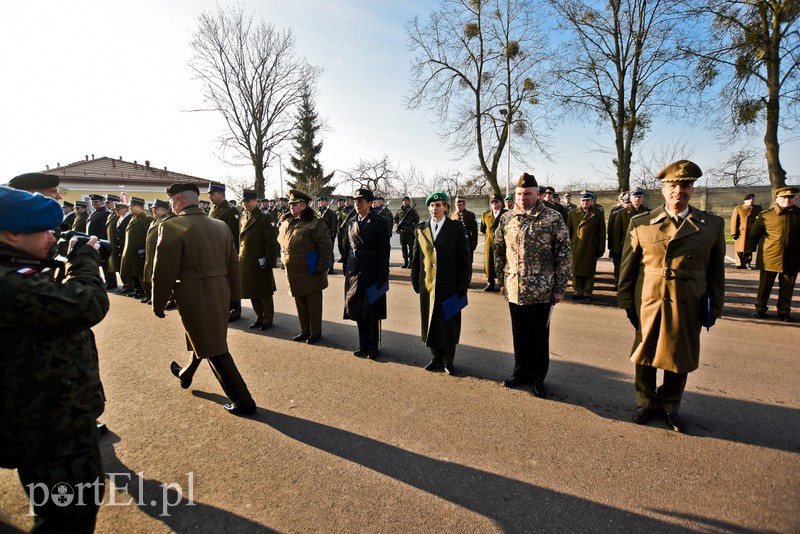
365	194
438	195
788	191
296	196
680	171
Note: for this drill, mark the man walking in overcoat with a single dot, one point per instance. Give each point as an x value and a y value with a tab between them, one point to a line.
671	284
196	260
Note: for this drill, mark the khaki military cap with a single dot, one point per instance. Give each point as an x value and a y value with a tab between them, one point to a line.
296	196
788	191
680	171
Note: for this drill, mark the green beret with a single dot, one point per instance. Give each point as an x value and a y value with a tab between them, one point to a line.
509	197
28	213
680	171
433	197
34	180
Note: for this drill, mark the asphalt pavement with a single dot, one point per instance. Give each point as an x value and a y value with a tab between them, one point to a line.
344	444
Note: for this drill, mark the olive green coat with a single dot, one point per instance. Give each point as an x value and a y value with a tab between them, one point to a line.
777	232
665	275
198	251
488	227
150	249
621	220
298	237
229	215
258	253
587	233
79	224
133	255
742	220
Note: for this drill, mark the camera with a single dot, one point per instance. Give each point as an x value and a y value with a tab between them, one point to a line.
82	239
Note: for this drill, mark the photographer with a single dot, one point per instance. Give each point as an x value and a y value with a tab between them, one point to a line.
49	377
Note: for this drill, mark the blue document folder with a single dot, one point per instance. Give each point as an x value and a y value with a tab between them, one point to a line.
312	260
453	305
706	313
374	292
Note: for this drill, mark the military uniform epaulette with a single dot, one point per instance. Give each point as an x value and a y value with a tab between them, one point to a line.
640	215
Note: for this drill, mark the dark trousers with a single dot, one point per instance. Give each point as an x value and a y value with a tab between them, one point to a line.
85	468
531	335
443	355
488	267
667	397
226	373
264	308
786	283
369	335
309	312
616	257
407	245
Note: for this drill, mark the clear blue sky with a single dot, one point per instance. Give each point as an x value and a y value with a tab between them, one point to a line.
111	79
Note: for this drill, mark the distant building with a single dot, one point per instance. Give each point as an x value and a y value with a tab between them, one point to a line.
124	178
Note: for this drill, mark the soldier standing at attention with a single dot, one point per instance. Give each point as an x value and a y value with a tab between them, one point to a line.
386	213
69	215
587	232
196	260
532	256
679	253
568	202
258	253
508	202
161	213
81	216
223	211
470	222
111	235
742	220
548	197
306	250
50	379
489	221
330	218
623	202
133	255
620	229
407	220
777	231
115	260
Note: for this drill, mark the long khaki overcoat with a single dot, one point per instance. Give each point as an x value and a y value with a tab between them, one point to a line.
742	220
133	255
258	253
150	249
665	275
777	232
587	233
299	238
438	271
488	226
196	260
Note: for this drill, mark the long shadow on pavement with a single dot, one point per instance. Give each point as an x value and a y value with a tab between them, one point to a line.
159	502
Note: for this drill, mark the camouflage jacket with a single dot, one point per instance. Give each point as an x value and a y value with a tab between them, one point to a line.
49	378
532	254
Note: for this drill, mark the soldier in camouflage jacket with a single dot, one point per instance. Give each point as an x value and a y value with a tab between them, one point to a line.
49	378
532	261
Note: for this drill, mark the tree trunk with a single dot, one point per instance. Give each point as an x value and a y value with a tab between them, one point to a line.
777	175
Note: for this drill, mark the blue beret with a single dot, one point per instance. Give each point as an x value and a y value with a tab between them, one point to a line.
638	192
27	213
216	188
433	197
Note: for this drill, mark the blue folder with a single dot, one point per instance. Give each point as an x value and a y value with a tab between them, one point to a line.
453	305
374	292
707	301
312	260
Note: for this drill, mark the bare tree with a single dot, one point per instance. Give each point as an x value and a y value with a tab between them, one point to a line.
377	175
478	67
623	65
743	168
755	45
252	75
652	158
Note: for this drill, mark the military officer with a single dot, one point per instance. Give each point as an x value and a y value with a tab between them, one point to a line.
587	232
679	253
81	216
69	215
37	182
622	203
96	224
441	268
508	202
52	394
621	220
742	219
548	198
161	212
195	259
111	266
223	211
568	202
777	230
489	222
133	253
258	254
115	260
325	213
470	222
366	270
406	220
306	250
386	213
532	256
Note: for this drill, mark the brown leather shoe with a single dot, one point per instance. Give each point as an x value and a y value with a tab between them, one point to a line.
674	422
642	415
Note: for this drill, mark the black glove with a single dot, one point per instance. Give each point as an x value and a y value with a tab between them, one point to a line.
159	314
632	317
735	236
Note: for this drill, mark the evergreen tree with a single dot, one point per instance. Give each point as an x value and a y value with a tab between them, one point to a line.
307	173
